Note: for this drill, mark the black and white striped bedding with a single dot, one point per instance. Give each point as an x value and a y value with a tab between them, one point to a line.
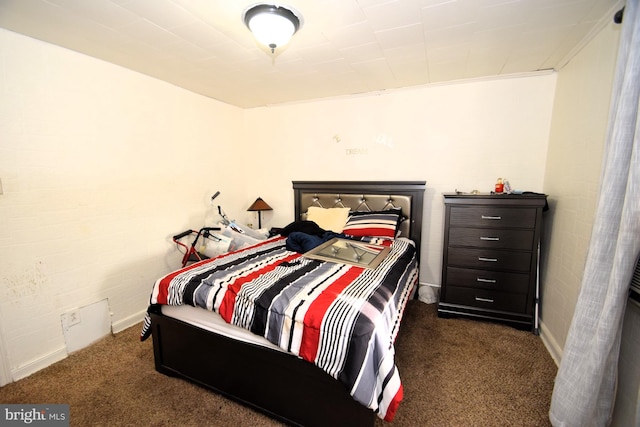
343	318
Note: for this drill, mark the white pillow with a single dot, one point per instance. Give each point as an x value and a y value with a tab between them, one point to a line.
332	219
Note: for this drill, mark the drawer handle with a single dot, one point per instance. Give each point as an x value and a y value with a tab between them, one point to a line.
491	239
480	279
491	217
480	258
484	299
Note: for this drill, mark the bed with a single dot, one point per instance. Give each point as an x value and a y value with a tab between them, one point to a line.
269	371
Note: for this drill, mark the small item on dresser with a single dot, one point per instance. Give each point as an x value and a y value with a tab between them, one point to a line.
499	186
507	187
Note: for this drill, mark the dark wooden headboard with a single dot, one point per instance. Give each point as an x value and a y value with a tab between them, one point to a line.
366	195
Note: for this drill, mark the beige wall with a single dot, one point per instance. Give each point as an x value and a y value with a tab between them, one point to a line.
457	136
99	166
578	133
572	177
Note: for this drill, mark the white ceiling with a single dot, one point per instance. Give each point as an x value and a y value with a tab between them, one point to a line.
343	47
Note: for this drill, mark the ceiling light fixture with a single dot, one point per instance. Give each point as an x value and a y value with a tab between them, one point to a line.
271	25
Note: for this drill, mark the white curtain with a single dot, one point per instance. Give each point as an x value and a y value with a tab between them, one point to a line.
584	390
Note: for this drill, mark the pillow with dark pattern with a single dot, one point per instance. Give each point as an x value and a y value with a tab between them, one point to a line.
374	224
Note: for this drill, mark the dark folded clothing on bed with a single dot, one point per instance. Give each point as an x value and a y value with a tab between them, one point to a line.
300	242
308	227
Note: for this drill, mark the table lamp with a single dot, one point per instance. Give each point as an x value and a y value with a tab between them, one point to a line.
258	206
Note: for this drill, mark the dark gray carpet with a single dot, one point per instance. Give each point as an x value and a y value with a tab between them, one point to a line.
455	373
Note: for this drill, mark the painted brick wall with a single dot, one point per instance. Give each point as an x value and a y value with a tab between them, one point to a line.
99	167
572	179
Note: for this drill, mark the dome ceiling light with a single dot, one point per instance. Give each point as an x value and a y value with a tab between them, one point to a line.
271	25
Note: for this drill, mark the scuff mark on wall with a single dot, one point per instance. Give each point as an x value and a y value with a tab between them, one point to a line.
30	282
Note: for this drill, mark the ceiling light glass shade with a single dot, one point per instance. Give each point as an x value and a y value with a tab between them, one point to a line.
271	25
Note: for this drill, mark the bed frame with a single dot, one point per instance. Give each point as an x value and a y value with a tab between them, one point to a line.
279	384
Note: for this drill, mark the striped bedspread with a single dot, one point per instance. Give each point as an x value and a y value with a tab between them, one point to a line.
342	318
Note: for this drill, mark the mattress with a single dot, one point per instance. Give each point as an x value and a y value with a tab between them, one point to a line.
212	322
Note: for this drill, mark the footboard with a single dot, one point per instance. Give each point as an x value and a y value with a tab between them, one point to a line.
278	384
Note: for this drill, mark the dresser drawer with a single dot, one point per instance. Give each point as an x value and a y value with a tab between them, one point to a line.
487	279
489	258
491	238
492	216
482	298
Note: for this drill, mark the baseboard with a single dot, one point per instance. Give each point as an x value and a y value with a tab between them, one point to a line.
61	353
38	364
128	322
5	371
550	343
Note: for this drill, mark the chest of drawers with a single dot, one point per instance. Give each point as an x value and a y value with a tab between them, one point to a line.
490	257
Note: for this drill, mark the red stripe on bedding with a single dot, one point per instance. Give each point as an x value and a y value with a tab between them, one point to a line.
370	231
229	300
316	312
393	405
163	285
165	282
